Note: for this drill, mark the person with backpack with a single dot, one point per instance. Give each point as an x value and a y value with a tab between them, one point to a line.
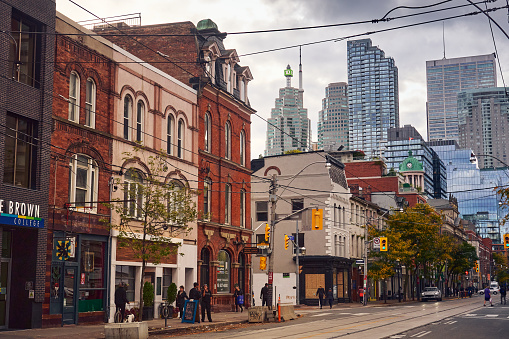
239	299
487	296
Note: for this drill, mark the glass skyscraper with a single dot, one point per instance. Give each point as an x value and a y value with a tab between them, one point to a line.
445	78
372	96
407	138
473	188
288	127
333	118
483	117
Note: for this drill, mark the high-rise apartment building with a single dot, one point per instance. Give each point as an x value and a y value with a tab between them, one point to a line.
333	118
445	78
483	118
288	127
372	96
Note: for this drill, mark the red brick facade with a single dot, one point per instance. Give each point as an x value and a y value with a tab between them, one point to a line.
69	139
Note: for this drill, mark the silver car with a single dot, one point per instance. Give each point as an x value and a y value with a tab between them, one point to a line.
431	293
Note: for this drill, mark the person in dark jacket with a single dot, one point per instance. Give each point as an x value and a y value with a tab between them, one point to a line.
238	302
181	300
196	295
121	300
503	293
206	299
264	294
320	292
330	297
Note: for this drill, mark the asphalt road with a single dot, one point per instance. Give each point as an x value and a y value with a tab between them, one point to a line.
460	318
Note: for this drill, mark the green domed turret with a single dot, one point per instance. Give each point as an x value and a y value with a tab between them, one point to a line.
206	24
410	164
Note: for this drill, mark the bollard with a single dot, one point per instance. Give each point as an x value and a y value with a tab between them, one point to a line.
279	308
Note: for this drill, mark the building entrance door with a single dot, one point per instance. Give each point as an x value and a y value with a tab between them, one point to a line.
5	278
69	307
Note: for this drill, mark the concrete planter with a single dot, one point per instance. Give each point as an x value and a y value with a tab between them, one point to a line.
138	330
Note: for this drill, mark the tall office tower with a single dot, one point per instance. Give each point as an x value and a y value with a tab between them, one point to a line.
473	188
372	96
333	117
445	79
400	141
288	127
483	120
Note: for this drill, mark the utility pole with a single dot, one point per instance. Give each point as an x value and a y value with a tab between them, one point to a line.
273	201
366	243
297	273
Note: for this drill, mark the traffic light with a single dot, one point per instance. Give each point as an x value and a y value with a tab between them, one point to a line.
263	263
317	219
287	241
383	244
477	266
267	232
506	241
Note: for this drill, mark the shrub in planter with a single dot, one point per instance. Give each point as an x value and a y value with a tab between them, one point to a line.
148	301
171	296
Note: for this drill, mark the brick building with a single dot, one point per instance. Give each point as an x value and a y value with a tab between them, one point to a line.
76	282
198	57
26	84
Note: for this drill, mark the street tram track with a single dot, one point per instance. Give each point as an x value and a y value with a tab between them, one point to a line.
375	320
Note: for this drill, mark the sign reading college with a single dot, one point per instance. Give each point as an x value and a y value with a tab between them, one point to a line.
20	214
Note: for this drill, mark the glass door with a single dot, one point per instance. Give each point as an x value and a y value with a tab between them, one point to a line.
4	292
69	297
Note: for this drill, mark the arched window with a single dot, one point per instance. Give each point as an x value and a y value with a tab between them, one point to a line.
128	110
242	208
207	190
208	130
241	274
223	272
90	104
83	175
133	193
242	148
169	135
140	113
204	268
74	97
228	141
227	204
180	141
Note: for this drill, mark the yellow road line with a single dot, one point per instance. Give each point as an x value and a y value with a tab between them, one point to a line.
348	327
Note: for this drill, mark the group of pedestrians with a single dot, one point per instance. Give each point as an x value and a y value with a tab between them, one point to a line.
503	294
203	297
320	292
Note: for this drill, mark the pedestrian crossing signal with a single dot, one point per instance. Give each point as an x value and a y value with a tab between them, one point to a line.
383	244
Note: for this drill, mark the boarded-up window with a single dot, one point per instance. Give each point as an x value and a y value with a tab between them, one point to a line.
313	282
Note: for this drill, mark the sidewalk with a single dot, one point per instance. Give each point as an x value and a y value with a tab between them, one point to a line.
155	326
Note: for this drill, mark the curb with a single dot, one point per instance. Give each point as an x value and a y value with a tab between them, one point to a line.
184	329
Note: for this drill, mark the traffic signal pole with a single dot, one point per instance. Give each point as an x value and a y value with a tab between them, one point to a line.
273	201
297	276
366	243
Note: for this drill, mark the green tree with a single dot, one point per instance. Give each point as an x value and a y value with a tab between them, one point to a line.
152	212
463	258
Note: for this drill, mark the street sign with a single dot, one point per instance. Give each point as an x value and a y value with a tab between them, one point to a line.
359	262
270	277
250	250
376	242
291	237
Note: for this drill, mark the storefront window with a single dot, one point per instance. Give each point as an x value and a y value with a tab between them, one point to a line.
204	269
125	274
91	280
223	272
167	280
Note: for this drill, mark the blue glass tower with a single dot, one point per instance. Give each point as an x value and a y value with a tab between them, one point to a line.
372	96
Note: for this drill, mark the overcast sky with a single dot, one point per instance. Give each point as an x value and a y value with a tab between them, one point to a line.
326	62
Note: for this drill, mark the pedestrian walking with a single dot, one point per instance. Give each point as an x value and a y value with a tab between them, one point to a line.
195	294
121	300
503	292
330	297
206	299
181	300
487	295
264	294
320	292
239	299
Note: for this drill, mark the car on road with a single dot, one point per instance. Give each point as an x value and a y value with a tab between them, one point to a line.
431	293
493	291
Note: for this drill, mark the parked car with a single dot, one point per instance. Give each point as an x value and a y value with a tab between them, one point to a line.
493	291
431	293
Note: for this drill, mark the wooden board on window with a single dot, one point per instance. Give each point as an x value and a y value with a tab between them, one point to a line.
313	282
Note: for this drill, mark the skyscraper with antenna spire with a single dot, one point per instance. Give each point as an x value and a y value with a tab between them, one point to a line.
288	127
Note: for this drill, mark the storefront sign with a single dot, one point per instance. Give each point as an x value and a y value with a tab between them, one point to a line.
20	214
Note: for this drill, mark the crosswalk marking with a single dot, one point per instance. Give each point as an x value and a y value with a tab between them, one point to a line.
425	333
492	315
450	322
470	315
321	314
345	313
417	334
361	313
397	336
